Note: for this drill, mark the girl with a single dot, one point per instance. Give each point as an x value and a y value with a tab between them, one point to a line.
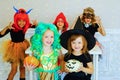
62	26
45	46
15	48
77	42
61	23
89	22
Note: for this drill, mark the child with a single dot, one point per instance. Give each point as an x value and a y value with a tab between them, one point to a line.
62	26
61	23
78	63
15	48
90	22
45	44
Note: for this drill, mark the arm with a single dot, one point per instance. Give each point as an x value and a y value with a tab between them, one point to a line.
89	69
35	23
61	61
63	68
101	29
4	31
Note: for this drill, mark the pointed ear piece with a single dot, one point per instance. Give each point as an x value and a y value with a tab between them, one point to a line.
15	9
28	11
18	10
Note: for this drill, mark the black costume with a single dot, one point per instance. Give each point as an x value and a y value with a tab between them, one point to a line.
14	49
15	36
84	58
92	28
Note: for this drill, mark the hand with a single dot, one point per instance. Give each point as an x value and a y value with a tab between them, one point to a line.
81	68
10	26
98	20
34	22
66	70
59	71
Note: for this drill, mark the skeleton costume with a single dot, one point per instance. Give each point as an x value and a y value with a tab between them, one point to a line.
84	58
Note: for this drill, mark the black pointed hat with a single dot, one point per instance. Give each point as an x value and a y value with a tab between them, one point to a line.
67	34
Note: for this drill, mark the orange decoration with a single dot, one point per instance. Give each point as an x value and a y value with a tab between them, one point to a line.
30	62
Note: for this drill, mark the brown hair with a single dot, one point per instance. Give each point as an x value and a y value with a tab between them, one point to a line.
88	13
72	38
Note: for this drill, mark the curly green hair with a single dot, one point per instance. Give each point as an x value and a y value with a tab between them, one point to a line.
36	39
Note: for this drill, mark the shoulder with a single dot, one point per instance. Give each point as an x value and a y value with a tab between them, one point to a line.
95	26
88	57
67	56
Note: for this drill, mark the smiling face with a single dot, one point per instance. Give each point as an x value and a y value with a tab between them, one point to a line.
77	44
88	15
87	20
60	24
21	23
48	38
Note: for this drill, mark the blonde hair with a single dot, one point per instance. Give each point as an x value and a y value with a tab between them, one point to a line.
74	37
91	15
88	10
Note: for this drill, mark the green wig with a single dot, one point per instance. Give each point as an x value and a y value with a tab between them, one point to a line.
36	39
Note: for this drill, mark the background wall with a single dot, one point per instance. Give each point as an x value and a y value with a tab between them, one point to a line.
47	10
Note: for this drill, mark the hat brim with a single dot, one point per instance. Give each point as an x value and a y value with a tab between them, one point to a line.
67	34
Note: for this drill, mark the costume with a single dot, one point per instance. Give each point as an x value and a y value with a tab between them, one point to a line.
87	21
61	16
14	49
84	58
47	70
92	28
48	67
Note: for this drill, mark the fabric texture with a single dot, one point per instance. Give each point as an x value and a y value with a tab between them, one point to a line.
15	52
84	58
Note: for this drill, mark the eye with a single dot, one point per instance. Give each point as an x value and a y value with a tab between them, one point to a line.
79	42
73	42
52	36
73	62
46	36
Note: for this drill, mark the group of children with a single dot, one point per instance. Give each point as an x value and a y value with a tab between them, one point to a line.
46	46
